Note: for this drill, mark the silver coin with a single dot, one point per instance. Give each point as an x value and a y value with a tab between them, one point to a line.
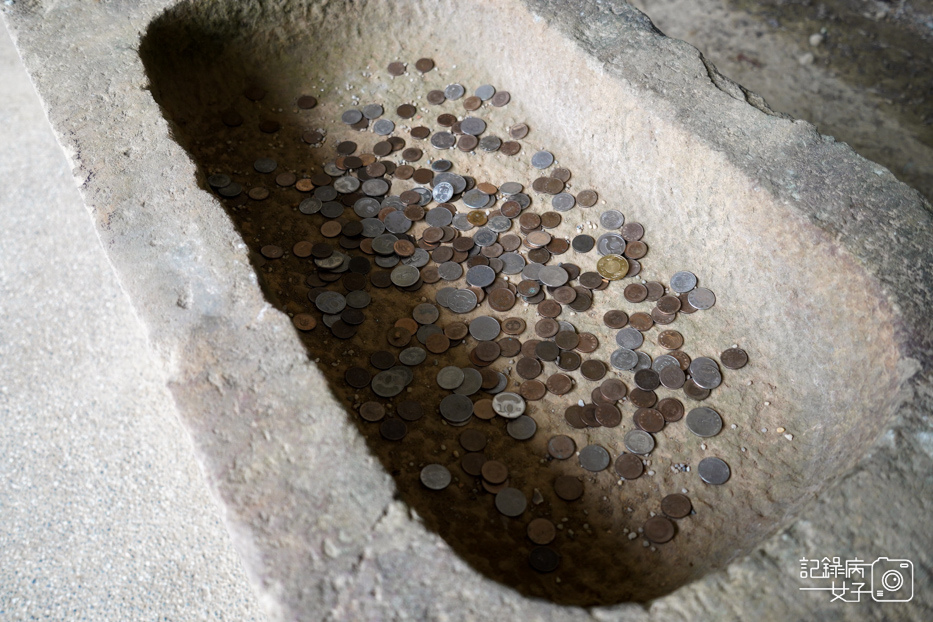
639	442
630	338
485	237
265	165
374	188
511	502
542	159
230	190
456	408
511	187
705	373
462	301
329	263
397	222
366	207
404	276
346	184
701	298
714	471
594	458
310	206
332	209
412	356
418	259
499	388
388	383
509	405
372	111
325	193
450	271
330	319
512	263
426	331
393	201
454	91
624	359
441	295
443	140
644	361
331	169
521	428
383	127
563	202
450	377
443	192
553	276
439	216
475	198
485	328
522	199
485	92
218	180
384	244
373	227
683	282
490	143
435	477
330	302
611	219
472	382
610	244
499	223
439	166
425	313
473	126
480	276
351	116
386	261
566	326
704	421
663	362
359	299
425	194
530	272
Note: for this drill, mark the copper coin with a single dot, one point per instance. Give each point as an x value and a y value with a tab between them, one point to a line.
372	411
635	292
495	489
528	368
593	370
472	464
676	505
734	358
608	415
529	347
446	119
541	531
412	154
487	351
495	472
483	409
549	308
568	360
671	408
615	318
629	466
672	377
547	327
561	447
509	346
472	103
694	391
685	306
302	249
408	324
572	415
396	68
518	131
532	390
304	321
513	326
669	304
437	343
559	384
501	299
467	142
683	358
587	198
649	420
510	148
501	98
568	488
398	337
659	529
357	377
588	415
331	229
258	193
424	65
270	251
670	340
393	429
613	389
647	379
588	343
382	359
566	339
641	321
591	280
306	102
547	351
632	231
642	399
636	250
473	440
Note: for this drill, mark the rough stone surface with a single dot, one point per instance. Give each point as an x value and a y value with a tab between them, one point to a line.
340	546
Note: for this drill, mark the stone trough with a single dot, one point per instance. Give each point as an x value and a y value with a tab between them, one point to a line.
820	261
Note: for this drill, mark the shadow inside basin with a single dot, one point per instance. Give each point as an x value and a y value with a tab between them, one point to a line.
200	60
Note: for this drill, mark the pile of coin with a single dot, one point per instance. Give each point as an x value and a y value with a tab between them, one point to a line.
390	217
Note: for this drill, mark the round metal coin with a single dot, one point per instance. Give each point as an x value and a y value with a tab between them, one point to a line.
594	458
435	476
714	471
639	442
704	421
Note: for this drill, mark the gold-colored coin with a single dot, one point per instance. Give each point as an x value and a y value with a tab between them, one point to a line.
477	218
612	267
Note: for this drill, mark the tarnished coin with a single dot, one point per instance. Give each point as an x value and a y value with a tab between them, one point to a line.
647	379
484	328
612	267
649	420
704	421
561	447
705	373
393	429
671	408
683	282
594	458
623	359
495	472
613	389
611	219
629	466
435	476
544	559
511	502
734	358
372	411
456	408
521	428
542	159
450	377
541	531
670	340
630	338
508	405
607	415
639	442
659	529
672	377
568	488
701	298
714	471
676	505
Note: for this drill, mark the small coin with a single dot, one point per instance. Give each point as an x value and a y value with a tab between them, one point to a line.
541	531
659	529
511	502
594	458
568	488
734	358
639	442
629	466
612	267
704	421
435	476
544	559
676	505
561	447
714	471
424	65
